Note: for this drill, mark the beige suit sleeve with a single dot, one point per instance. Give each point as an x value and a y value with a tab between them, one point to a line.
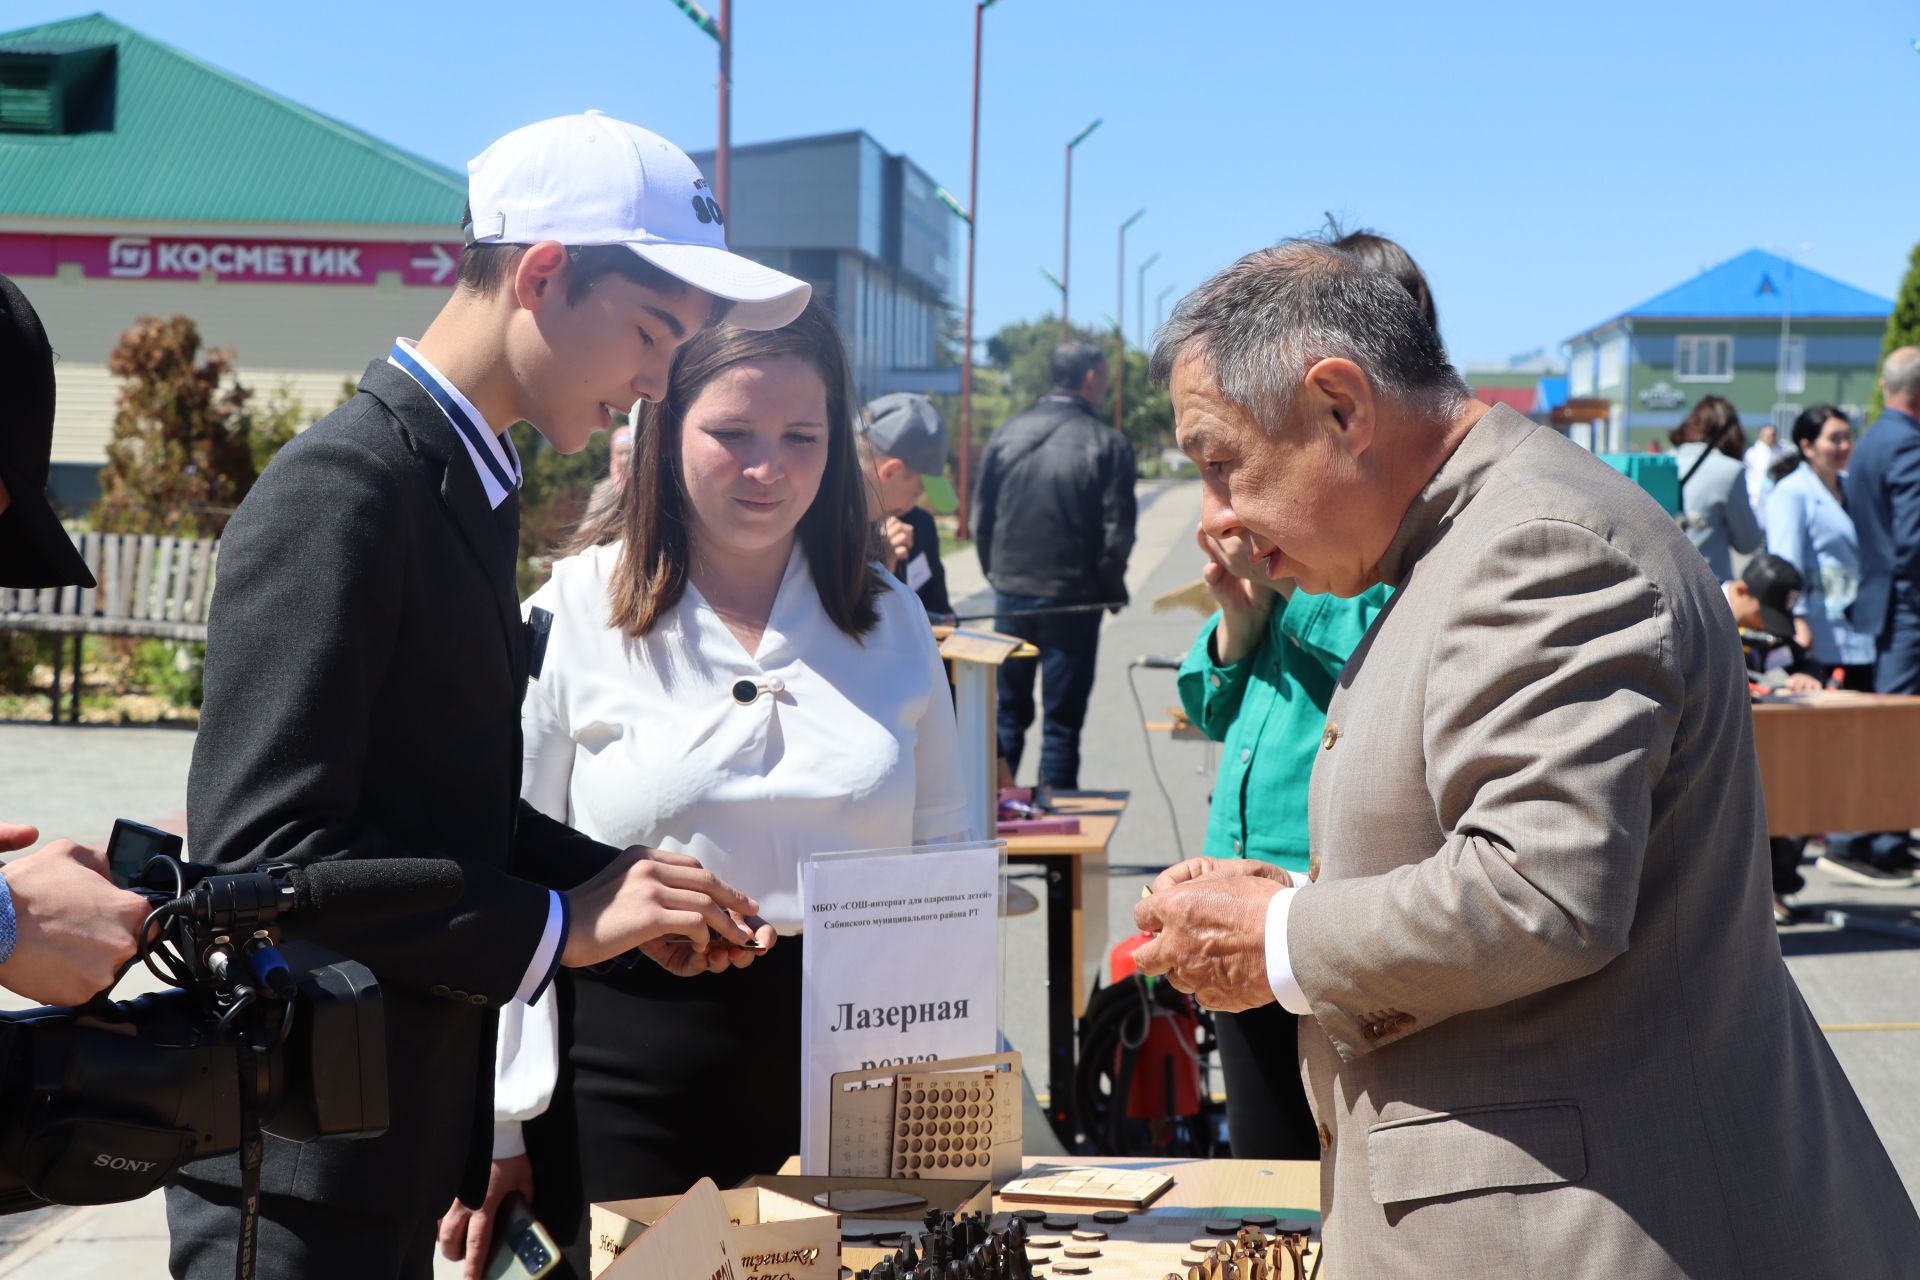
1550	711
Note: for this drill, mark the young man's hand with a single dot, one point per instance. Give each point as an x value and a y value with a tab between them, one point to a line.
646	895
73	929
466	1235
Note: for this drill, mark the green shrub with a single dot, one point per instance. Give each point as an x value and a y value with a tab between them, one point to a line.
170	670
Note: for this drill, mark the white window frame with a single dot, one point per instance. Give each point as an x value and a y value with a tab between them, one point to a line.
1610	364
1582	370
1695	342
1791	377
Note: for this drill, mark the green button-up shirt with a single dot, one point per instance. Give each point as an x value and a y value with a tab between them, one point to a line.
1268	711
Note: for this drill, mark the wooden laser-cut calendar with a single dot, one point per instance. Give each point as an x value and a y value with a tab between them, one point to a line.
955	1119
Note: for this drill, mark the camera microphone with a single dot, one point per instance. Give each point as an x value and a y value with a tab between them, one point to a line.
353	891
1157	662
342	893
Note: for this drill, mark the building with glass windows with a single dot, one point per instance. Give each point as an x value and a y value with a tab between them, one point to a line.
1771	335
867	231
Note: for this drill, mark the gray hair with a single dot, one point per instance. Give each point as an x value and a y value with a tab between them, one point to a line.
1264	321
1900	374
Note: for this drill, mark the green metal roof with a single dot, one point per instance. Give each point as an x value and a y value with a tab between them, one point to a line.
190	142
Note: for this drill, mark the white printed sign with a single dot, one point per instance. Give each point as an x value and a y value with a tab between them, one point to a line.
901	965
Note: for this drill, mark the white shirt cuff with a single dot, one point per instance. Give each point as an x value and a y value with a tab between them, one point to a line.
1279	962
508	1140
546	956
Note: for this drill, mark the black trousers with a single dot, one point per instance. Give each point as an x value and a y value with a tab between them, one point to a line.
1068	644
297	1240
664	1081
1267	1113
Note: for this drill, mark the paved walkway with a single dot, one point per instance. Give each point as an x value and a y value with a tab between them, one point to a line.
76	780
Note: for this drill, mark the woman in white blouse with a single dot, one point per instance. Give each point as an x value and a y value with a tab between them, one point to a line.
730	677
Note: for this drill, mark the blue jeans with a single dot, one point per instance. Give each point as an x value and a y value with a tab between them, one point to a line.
1067	643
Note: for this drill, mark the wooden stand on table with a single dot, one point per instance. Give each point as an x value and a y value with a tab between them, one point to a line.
957	1118
975	657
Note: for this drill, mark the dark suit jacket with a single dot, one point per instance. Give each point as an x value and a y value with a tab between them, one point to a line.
926	542
365	666
1883	497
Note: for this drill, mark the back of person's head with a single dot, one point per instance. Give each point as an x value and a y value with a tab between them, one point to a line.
653	520
1262	323
1715	422
1073	361
1900	377
1386	256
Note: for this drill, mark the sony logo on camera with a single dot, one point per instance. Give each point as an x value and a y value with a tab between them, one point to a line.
122	1164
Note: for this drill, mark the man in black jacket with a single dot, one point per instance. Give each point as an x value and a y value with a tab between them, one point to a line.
1053	518
366	662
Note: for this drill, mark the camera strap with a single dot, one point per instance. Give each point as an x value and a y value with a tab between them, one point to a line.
250	1154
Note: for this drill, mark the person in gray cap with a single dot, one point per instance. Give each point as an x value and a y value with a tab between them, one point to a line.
903	450
65	930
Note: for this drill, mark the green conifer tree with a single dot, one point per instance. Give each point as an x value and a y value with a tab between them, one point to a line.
1903	326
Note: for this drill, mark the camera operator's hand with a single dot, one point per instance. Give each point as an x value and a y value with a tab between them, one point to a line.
648	894
73	929
466	1235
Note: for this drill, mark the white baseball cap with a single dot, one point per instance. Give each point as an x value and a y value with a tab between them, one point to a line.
590	179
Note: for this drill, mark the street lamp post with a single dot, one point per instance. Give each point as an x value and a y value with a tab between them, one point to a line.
1066	232
722	33
1140	300
1120	325
973	210
1160	306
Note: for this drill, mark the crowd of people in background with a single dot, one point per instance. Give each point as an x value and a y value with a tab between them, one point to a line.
1829	593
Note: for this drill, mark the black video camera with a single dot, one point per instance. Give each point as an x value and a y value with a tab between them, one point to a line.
105	1102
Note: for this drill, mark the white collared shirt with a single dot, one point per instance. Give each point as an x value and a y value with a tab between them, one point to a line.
498	466
851	744
493	454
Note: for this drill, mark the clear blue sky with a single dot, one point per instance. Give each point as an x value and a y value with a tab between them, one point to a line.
1549	165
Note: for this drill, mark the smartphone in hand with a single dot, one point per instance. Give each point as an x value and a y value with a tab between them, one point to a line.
522	1248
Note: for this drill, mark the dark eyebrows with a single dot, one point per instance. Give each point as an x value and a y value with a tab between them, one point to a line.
666	318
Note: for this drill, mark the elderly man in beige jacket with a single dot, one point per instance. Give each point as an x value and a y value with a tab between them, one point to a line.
1547	1028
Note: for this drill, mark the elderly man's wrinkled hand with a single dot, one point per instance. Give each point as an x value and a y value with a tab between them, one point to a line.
1198	868
1211	938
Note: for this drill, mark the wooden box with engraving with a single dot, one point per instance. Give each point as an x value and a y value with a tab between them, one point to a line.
776	1235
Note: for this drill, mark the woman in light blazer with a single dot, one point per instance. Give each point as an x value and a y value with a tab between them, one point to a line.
1808	526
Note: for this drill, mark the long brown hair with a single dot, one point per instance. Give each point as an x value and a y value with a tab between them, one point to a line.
1715	422
651	518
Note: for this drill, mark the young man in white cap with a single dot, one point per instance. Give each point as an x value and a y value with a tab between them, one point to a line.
903	450
366	661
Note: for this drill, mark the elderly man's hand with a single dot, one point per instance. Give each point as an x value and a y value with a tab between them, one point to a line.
1212	937
1197	868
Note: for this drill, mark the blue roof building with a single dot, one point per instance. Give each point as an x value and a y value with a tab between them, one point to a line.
1771	335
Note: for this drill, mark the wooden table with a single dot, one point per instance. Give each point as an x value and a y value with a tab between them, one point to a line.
1076	915
1839	761
1201	1189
